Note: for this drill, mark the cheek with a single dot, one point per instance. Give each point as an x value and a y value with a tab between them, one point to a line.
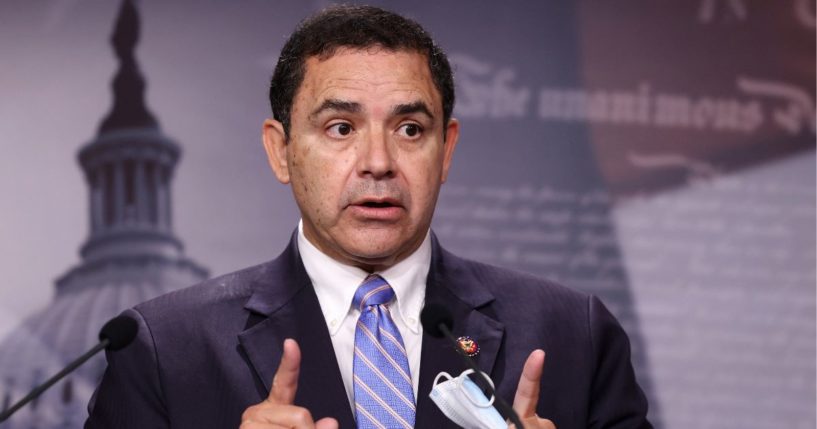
319	182
300	178
425	185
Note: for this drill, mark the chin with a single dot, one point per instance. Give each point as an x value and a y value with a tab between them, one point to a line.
375	251
377	247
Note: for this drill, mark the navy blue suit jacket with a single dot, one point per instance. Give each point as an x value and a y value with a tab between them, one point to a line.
206	353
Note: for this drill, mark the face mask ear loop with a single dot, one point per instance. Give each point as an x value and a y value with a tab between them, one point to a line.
461	380
437	378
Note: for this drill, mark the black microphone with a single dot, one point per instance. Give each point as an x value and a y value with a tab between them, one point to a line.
438	322
116	334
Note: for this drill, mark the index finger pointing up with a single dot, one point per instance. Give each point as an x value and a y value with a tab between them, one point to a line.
527	392
285	382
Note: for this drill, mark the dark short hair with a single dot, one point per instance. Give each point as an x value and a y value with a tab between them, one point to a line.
360	27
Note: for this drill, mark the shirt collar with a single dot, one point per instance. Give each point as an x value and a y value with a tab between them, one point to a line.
335	283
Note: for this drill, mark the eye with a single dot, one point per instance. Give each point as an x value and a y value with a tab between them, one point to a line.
410	130
340	130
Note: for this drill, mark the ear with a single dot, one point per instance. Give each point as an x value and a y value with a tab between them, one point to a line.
452	134
275	143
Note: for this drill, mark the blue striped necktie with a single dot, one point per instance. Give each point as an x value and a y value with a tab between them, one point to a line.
384	397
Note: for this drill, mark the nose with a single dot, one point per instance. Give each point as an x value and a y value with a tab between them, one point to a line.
376	157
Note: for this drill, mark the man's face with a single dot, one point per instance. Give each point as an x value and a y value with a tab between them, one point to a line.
366	155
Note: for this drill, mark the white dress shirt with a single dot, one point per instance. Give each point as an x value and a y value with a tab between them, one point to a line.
335	284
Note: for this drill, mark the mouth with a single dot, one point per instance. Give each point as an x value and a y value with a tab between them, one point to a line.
383	209
377	203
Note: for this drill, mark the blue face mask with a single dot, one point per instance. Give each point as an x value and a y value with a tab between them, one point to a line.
462	401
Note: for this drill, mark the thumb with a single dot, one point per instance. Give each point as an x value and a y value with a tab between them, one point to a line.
285	381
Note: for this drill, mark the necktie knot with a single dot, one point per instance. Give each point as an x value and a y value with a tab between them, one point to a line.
373	291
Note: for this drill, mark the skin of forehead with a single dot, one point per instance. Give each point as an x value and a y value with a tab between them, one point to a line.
330	77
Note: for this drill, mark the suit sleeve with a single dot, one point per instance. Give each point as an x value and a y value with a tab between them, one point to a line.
616	400
130	393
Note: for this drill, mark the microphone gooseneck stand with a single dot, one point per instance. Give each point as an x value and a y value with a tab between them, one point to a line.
116	334
437	321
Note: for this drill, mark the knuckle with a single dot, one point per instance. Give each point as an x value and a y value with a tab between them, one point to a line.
251	413
302	415
247	414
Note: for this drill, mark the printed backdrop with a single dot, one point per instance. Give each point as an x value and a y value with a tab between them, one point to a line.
660	154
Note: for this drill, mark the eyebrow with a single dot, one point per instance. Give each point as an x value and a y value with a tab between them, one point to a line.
337	106
415	107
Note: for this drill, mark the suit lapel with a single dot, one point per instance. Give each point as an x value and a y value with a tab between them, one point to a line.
285	305
448	287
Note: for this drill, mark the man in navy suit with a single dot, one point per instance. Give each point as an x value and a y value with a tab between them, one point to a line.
362	131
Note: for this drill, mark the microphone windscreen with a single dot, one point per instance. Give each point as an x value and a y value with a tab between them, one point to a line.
119	331
434	315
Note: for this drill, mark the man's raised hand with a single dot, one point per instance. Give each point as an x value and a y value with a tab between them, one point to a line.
278	411
527	393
